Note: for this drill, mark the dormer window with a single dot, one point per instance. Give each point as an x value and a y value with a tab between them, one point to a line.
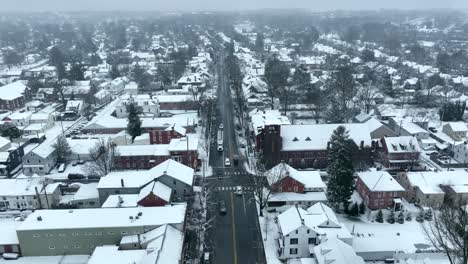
307	139
295	139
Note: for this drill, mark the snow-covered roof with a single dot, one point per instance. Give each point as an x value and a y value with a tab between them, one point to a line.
8	234
112	254
458	126
335	251
86	191
298	197
310	179
74	104
22	186
104	218
307	137
260	119
403	144
12	90
136	179
157	188
121	200
44	150
183	144
143	150
380	181
430	182
318	218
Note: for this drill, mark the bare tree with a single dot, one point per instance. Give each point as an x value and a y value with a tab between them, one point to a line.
448	232
366	97
199	222
102	158
264	183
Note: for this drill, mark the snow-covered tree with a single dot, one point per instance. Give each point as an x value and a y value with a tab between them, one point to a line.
340	167
401	218
409	217
62	149
391	217
262	184
362	208
134	122
420	216
428	215
379	217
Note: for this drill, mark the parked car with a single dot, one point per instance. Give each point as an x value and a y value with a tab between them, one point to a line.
76	176
94	177
227	162
62	167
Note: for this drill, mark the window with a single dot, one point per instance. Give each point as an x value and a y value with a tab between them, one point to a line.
98	233
293	241
308	231
51	247
62	234
111	233
296	189
76	246
88	234
92	203
293	251
36	235
312	240
297	232
123	232
75	234
174	182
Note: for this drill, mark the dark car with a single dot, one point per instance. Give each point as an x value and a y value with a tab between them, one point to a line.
94	177
76	176
222	207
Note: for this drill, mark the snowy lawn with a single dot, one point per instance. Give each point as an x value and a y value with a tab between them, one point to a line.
269	235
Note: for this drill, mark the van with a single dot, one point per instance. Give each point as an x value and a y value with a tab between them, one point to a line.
206	258
10	256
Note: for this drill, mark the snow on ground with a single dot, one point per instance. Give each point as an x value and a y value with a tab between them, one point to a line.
269	235
70	259
369	237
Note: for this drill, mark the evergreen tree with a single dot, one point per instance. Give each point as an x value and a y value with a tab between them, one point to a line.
362	208
76	72
401	218
391	217
10	131
260	43
368	55
340	167
354	210
379	217
62	149
428	215
115	73
387	85
276	75
408	217
420	216
134	122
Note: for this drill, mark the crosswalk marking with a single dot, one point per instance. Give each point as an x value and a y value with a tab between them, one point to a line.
232	188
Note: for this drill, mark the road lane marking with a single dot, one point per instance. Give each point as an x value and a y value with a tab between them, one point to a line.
233	229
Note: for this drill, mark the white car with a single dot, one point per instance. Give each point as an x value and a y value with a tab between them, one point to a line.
227	162
238	190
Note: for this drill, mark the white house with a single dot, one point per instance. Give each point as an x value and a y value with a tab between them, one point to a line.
28	193
334	251
40	160
456	130
147	104
300	230
131	88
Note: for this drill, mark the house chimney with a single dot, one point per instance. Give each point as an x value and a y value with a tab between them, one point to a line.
122	183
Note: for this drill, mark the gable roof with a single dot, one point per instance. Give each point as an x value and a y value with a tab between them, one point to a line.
13	90
157	188
335	251
380	181
310	179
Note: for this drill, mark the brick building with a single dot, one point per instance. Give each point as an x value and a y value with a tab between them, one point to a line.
139	157
400	153
164	136
378	189
14	95
306	146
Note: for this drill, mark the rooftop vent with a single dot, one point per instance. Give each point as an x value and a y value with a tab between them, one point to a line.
140	213
39	218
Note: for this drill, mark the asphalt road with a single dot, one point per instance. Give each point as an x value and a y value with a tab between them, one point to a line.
235	237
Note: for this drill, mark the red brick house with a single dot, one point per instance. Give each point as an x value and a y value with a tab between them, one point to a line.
379	190
158	136
400	153
14	95
154	194
284	178
139	157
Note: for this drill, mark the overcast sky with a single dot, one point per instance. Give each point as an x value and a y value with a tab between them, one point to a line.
213	5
